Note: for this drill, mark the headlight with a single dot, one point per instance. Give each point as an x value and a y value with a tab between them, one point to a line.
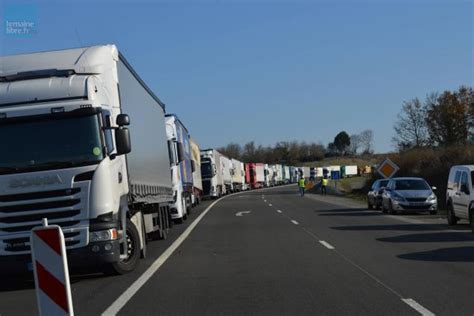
397	197
431	198
103	235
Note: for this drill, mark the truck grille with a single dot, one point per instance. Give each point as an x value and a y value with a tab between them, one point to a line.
19	213
206	187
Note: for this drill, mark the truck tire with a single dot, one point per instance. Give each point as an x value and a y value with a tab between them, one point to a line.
130	263
384	210
390	210
451	217
369	205
471	220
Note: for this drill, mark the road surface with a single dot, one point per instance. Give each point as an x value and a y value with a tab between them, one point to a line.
272	252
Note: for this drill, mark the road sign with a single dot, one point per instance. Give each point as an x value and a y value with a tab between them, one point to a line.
48	251
387	168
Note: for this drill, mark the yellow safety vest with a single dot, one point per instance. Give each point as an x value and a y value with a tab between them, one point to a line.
325	182
301	183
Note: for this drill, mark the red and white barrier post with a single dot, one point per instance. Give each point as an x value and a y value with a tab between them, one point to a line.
48	251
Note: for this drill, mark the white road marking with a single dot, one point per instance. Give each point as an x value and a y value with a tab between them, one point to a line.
133	289
270	205
326	244
265	201
420	309
294	222
278	211
241	213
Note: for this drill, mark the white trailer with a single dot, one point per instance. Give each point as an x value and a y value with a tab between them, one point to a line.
287	175
226	169
237	175
305	171
107	185
278	174
350	171
197	177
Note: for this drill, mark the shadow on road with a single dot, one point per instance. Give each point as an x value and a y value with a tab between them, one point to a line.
459	254
345	210
430	237
362	214
22	282
16	283
402	227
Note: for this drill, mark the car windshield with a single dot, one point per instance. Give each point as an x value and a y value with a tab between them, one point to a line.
50	143
411	185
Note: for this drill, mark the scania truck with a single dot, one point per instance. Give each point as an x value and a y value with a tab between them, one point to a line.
181	172
84	145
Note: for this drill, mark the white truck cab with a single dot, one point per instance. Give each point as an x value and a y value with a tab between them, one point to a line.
460	195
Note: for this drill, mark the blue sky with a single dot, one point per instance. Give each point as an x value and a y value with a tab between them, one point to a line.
273	70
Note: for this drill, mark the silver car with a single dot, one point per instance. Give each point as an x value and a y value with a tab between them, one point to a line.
409	194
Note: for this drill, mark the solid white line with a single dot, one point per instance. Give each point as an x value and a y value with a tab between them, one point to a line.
278	211
133	289
294	222
420	309
327	245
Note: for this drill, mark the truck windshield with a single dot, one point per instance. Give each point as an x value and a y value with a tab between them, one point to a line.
206	169
49	143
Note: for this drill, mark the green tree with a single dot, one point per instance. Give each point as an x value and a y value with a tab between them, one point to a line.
449	116
342	141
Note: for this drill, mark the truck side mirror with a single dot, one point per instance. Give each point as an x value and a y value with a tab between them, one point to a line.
193	166
180	149
464	188
122	139
123	120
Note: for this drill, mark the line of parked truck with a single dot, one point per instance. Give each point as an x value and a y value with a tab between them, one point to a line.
88	145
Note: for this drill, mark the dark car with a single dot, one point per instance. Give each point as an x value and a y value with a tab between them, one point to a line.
374	197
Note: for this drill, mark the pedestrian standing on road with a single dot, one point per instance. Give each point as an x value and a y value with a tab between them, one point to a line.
301	184
324	184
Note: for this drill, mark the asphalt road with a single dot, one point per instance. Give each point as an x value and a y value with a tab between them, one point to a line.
272	252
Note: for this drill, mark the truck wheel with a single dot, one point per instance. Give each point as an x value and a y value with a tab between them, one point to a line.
471	220
369	205
185	209
129	263
452	219
390	208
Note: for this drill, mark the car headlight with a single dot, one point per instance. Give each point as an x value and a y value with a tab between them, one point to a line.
431	198
103	235
397	197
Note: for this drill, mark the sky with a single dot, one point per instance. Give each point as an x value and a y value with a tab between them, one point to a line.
269	71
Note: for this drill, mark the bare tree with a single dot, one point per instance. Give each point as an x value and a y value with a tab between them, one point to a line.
355	144
411	127
366	141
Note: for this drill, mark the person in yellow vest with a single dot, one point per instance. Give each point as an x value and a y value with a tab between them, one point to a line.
324	184
301	185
